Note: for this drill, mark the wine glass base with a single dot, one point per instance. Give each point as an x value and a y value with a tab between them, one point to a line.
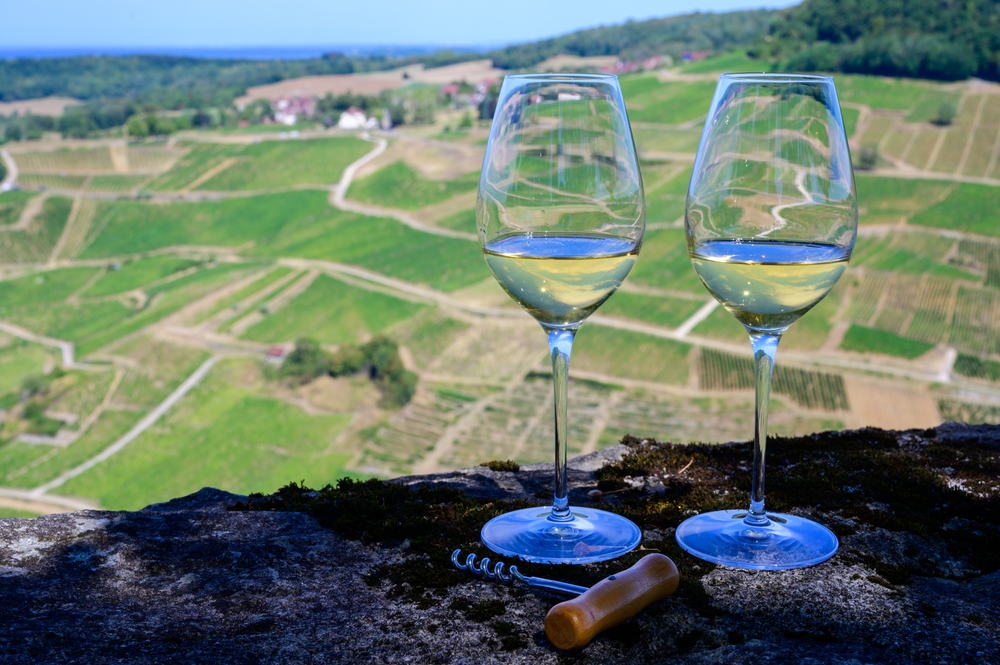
785	542
591	535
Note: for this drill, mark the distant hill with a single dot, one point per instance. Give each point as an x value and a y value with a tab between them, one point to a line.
936	39
639	39
947	40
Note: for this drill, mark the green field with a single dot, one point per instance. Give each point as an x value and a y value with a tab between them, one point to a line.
850	117
664	263
93	325
243	442
382	245
871	340
737	61
665	197
880	93
134	274
968	207
155	370
11	205
398	185
723	326
460	221
109	427
930	103
20	359
271	164
199	158
18	514
333	312
128	227
627	354
650	138
36	242
164	301
649	100
44	287
911	254
427	334
265	279
660	310
115	184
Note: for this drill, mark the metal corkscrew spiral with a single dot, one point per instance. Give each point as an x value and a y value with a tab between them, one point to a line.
497	573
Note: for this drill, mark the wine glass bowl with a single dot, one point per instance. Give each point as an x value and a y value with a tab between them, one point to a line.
560	217
771	220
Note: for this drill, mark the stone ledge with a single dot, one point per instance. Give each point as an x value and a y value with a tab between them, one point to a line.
191	581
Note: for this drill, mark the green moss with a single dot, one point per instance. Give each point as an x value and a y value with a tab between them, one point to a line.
502	465
865	477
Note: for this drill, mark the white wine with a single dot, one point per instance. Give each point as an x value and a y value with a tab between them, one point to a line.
560	279
767	285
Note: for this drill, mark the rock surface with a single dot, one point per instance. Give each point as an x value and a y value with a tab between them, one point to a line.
190	581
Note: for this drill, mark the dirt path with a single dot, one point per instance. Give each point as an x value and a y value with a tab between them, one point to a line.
65	347
339	190
54	504
67	231
12	171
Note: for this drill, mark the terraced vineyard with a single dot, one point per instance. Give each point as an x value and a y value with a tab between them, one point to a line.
144	285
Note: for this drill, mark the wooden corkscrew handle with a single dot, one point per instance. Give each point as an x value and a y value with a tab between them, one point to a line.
572	624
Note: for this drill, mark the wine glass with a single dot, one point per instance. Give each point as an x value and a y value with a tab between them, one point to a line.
560	216
771	219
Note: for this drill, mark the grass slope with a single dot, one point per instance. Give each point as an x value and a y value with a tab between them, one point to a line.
271	164
333	312
871	340
398	185
968	207
134	274
632	355
36	242
127	227
383	245
243	442
11	205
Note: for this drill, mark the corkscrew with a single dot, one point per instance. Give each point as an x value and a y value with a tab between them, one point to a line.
573	623
497	573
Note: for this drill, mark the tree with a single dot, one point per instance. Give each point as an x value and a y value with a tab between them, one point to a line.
867	158
137	126
944	115
306	362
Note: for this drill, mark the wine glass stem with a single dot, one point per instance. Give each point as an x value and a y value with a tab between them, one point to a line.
764	349
560	345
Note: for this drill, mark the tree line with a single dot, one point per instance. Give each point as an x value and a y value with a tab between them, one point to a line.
947	40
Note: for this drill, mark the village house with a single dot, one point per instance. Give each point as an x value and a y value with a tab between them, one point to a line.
355	118
288	110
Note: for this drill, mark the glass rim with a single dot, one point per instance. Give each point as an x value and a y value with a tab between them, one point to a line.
764	77
561	76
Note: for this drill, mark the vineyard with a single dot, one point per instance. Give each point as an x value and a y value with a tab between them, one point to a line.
149	259
97	161
718	370
966	147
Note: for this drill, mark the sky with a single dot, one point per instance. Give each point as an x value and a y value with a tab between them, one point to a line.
237	23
